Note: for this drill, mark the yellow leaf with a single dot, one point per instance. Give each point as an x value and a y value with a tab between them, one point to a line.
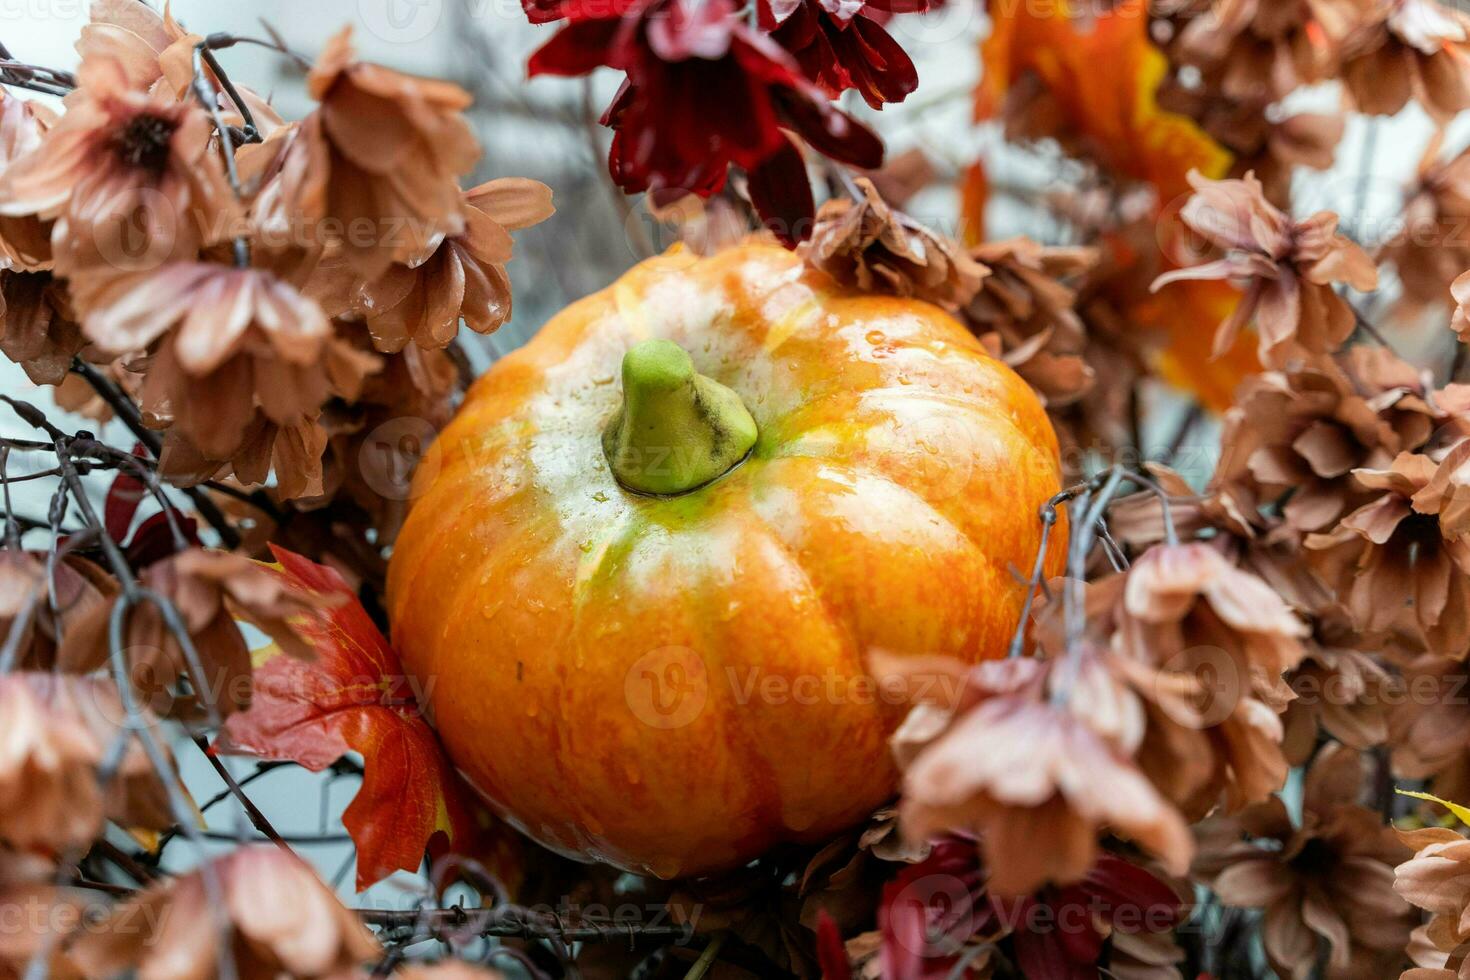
1462	813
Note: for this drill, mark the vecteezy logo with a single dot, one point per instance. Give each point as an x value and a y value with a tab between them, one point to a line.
400	21
394	452
667	687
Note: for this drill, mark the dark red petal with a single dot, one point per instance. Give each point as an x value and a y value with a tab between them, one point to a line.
1041	956
904	6
891	74
576	49
833	133
1118	885
831	954
154	539
782	195
123	498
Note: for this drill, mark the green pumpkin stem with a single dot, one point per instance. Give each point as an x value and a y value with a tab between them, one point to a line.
677	430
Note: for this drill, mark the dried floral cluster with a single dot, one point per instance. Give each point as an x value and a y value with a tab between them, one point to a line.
1187	767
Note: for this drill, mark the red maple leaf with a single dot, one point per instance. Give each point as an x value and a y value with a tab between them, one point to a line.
356	697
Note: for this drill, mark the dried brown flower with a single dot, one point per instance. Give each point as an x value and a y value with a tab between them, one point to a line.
25	240
37	328
1339	690
464	277
1403	49
241	365
1429	729
1401	563
1259	141
1025	313
1329	879
281	920
1187	615
58	730
116	162
152	49
1295	436
1261	50
1289	267
210	589
1437	880
1036	780
381	158
42	616
1433	247
873	247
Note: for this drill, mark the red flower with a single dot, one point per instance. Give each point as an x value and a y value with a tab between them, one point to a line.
938	913
703	91
841	44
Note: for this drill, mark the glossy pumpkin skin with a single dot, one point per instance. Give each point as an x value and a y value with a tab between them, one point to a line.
673	685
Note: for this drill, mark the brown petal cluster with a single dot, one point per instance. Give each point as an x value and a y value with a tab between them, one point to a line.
25	240
1025	314
1036	779
1433	247
58	731
1295	436
1259	140
1408	49
36	614
1258	51
1401	562
278	918
1429	729
209	589
1204	644
1326	880
241	365
380	157
1289	268
130	180
464	277
1437	880
876	248
38	329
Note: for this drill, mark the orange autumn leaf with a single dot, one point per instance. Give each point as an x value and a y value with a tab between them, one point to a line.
974	198
1188	317
1102	73
355	697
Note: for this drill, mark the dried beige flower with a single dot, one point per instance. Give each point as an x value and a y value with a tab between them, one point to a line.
873	247
1036	780
1289	266
281	920
58	731
1328	879
117	162
210	589
1401	563
381	158
1403	49
241	365
464	277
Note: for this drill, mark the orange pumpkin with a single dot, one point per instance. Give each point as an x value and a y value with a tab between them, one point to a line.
675	682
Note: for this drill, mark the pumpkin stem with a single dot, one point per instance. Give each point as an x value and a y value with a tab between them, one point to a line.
677	430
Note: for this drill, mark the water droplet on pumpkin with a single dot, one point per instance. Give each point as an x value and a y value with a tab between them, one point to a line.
875	337
631	771
532	709
600	496
586	547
